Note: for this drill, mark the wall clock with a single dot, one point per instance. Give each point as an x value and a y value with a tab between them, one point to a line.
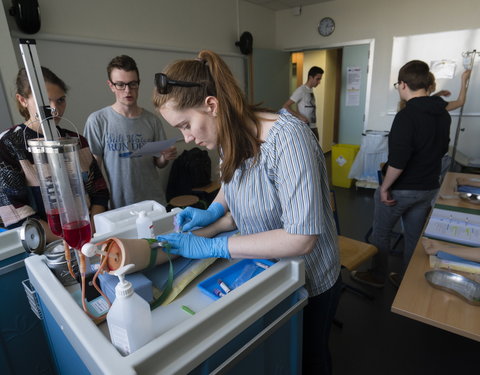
326	26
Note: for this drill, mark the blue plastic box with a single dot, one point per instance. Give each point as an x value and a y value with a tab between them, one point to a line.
233	276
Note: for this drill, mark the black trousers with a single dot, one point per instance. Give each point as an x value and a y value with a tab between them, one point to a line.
317	322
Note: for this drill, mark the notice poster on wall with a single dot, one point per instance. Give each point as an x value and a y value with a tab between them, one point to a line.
354	76
443	69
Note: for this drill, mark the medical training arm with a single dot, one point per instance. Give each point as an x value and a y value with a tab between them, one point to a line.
224	224
288	106
462	94
390	177
431	247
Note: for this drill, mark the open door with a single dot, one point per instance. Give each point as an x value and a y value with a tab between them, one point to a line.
353	93
340	97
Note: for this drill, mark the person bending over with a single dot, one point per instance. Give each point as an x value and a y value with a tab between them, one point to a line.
274	185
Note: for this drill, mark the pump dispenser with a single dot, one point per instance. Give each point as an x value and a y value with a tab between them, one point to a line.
129	318
144	226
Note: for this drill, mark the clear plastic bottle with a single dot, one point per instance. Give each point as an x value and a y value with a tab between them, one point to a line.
129	318
144	226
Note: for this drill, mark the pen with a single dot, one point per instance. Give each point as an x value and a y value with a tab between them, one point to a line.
262	265
224	286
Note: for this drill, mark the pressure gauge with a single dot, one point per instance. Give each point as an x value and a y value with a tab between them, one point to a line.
326	26
33	236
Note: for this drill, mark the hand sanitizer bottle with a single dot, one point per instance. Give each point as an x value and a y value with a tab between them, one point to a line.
144	226
129	318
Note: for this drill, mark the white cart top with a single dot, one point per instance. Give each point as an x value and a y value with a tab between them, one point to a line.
182	341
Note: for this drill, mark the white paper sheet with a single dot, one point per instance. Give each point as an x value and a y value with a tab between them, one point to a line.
354	76
154	148
443	69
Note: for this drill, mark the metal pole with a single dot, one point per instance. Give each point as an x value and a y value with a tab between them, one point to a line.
457	132
33	68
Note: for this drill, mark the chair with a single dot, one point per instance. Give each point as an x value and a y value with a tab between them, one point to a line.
184	201
352	252
208	192
201	197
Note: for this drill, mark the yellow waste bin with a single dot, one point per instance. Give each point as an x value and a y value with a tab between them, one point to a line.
343	156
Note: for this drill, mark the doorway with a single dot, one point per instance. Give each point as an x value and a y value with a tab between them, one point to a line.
341	98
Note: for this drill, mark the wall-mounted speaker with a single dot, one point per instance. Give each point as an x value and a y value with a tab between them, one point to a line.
27	15
245	43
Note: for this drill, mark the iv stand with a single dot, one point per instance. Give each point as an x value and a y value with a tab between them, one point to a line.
33	68
62	187
57	159
471	55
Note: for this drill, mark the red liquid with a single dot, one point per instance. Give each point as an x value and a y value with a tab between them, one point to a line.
53	218
77	233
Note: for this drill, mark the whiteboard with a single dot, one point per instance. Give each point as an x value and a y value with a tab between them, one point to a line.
444	46
435	47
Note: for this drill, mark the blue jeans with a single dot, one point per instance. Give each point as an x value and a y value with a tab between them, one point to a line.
413	206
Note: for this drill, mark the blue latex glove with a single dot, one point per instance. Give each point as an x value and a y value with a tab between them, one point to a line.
191	246
191	217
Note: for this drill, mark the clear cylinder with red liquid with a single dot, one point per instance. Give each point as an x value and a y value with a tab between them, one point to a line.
62	156
47	186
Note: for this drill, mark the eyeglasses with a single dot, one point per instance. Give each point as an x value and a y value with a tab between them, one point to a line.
122	85
396	85
164	84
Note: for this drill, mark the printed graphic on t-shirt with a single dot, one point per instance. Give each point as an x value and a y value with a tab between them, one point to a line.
312	108
125	144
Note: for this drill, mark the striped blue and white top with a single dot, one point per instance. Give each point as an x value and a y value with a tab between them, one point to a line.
288	188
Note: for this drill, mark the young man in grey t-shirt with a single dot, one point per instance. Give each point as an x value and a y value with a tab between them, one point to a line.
304	98
116	131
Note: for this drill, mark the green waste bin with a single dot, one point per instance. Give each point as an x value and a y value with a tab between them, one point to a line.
343	156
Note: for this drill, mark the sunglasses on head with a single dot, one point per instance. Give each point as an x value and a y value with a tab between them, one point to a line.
164	84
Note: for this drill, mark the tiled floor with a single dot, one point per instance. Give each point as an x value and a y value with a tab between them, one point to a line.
373	340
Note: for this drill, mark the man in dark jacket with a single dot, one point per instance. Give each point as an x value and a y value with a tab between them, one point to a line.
418	140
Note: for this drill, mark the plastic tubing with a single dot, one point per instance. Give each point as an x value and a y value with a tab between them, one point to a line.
68	258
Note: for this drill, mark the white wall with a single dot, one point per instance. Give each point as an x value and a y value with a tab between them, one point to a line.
188	25
216	24
453	45
156	25
380	20
8	67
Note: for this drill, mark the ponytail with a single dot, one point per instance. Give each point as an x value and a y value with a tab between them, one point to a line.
235	140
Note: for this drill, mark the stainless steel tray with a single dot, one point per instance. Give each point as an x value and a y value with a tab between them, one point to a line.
454	283
470	197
